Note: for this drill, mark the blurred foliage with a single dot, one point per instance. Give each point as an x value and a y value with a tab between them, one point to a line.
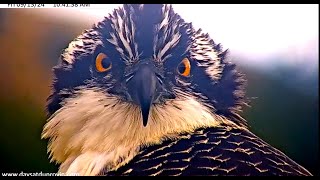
284	117
21	148
30	46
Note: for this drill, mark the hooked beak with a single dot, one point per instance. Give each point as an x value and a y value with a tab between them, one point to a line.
142	88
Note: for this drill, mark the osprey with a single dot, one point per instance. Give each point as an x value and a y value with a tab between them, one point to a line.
144	93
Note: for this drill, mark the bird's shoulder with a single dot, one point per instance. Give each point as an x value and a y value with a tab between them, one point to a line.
212	151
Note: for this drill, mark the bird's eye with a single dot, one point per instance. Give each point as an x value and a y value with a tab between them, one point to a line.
184	67
103	63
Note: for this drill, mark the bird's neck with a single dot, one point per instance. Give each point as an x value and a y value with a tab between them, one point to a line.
95	131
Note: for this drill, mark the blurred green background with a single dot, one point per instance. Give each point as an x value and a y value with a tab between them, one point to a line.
284	105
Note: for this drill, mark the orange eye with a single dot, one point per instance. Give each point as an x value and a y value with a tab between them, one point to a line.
184	67
103	63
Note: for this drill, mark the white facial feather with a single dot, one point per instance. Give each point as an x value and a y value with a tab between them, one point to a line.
123	36
95	130
203	51
79	44
170	36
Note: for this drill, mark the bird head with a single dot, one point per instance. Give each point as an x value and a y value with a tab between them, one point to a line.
135	77
145	55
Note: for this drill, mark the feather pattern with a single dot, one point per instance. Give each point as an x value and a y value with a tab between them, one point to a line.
213	151
167	34
123	34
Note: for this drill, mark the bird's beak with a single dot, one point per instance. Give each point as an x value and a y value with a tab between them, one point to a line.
142	88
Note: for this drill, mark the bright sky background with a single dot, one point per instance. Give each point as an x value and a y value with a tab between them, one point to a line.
256	32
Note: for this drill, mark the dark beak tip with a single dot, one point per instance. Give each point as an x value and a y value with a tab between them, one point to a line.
145	123
145	116
145	104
